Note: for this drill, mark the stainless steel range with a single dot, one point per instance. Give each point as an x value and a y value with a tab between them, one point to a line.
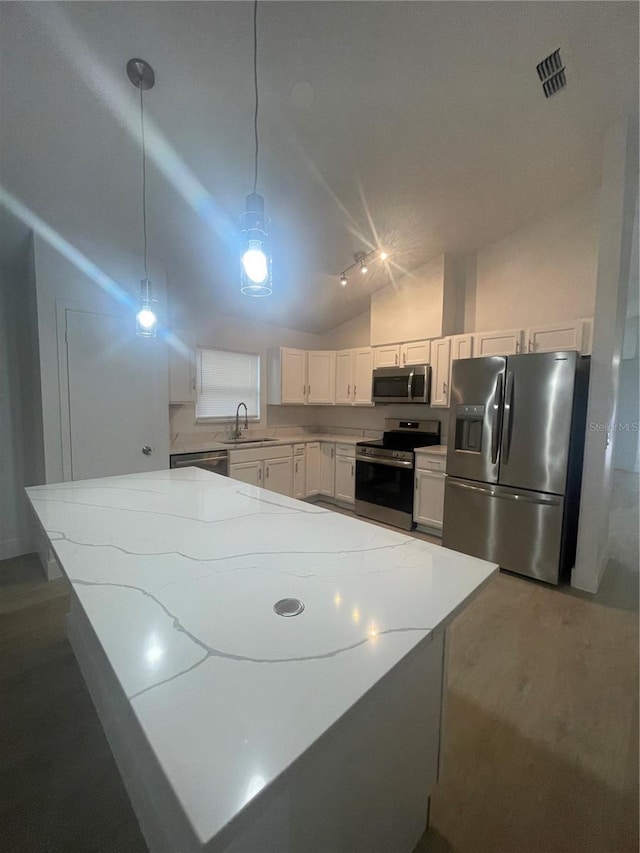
385	469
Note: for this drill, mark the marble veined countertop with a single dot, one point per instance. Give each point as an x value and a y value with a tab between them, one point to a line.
178	571
438	449
191	445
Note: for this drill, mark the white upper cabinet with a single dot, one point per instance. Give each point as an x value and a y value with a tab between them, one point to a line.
416	352
344	378
182	371
559	336
353	377
497	343
461	346
321	377
440	371
362	373
386	356
287	376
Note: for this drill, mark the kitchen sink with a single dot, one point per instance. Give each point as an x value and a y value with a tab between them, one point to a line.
248	440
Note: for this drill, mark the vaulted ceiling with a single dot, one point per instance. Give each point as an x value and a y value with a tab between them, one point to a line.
417	125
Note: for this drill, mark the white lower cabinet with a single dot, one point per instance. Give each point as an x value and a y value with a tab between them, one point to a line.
312	469
271	468
247	472
327	468
428	498
299	471
345	473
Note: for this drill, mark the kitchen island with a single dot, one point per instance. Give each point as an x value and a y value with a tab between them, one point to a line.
236	728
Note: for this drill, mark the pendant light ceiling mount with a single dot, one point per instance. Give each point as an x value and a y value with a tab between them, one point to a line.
141	74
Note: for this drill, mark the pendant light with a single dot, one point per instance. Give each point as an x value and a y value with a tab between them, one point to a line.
141	75
255	261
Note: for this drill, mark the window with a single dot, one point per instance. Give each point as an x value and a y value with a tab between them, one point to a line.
226	379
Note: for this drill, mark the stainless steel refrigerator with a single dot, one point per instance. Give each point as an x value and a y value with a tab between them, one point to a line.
514	461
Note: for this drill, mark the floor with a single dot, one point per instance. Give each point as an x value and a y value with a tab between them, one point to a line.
541	750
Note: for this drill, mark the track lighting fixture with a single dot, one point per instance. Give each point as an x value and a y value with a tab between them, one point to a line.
141	75
360	260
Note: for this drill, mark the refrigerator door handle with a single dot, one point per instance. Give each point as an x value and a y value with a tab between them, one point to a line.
520	497
495	422
508	417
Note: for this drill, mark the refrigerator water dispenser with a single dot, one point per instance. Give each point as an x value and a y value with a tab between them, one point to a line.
469	423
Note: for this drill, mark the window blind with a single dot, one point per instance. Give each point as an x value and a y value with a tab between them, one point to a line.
226	379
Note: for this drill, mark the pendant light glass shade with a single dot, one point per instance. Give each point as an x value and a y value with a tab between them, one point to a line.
146	320
255	260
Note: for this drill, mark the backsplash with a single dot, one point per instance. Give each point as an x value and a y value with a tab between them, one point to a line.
288	420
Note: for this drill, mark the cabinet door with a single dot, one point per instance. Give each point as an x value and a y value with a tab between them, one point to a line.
327	469
441	368
428	502
416	352
345	479
461	346
182	371
312	466
278	475
344	378
299	478
497	343
386	356
362	373
321	378
559	336
247	472
293	375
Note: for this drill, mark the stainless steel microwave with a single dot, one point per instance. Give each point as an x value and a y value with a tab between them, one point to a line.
410	384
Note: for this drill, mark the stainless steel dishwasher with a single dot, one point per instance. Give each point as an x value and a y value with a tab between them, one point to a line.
210	460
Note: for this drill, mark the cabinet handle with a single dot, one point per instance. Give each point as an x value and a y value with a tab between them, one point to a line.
296	467
416	484
259	473
267	472
444	387
352	469
193	383
354	392
530	346
348	390
396	358
332	451
404	358
517	347
309	391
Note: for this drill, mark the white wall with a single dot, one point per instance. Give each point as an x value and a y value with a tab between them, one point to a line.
618	223
231	333
543	273
65	278
21	447
354	333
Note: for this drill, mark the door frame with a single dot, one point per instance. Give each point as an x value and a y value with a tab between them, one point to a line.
62	306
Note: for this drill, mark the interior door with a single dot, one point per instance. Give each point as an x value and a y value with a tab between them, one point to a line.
536	427
118	397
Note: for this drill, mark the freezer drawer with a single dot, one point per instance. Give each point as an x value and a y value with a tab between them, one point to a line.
520	530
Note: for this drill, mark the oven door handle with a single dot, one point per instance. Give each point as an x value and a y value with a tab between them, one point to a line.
390	463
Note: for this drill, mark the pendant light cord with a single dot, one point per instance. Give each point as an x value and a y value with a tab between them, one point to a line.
255	81
144	184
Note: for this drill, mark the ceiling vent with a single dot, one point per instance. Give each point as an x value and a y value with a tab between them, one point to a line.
551	73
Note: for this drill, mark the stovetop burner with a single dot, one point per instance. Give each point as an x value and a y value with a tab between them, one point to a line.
406	435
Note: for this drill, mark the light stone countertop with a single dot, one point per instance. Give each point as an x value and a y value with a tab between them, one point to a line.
177	573
437	449
194	446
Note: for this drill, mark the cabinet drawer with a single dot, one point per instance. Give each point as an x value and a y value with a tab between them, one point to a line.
346	450
430	463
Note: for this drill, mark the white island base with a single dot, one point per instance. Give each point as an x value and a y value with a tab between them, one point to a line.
317	735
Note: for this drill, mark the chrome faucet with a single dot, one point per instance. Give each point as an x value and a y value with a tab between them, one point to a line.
237	431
